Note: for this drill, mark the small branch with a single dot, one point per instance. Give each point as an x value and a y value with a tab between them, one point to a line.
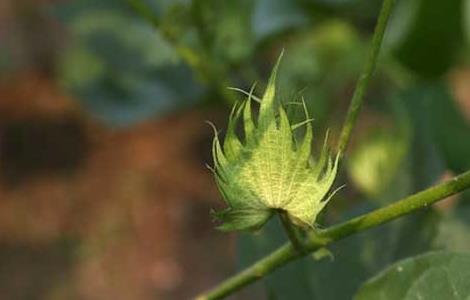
291	232
364	79
287	252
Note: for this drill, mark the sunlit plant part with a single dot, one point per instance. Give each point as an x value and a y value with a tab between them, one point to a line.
269	170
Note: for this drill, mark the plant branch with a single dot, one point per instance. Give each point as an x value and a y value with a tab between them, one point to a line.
287	252
291	232
364	79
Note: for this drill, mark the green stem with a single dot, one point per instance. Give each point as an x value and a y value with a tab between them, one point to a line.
364	79
291	232
287	252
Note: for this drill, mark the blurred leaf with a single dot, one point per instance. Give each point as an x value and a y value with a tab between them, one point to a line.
428	164
438	120
234	39
224	26
467	20
453	232
335	2
123	100
361	11
438	275
450	128
113	36
378	160
320	65
80	67
69	10
272	17
122	70
426	34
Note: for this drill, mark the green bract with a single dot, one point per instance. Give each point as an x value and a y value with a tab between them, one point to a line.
269	170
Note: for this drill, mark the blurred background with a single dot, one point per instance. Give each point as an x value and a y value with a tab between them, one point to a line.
104	193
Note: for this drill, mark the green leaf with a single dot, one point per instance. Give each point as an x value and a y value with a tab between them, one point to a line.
451	130
273	17
427	162
467	20
270	170
120	68
225	28
436	275
424	47
442	129
453	231
377	165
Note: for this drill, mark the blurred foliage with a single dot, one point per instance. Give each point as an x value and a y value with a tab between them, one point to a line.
453	229
420	133
122	69
273	17
466	12
451	131
441	275
320	65
427	35
377	163
224	28
126	64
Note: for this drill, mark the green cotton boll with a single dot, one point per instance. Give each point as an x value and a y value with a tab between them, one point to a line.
269	170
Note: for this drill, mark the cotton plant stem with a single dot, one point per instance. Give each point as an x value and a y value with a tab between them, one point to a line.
364	79
287	252
291	232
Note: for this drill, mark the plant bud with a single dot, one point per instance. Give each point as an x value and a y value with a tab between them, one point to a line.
268	170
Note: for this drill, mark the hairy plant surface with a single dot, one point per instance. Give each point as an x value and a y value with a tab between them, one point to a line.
269	169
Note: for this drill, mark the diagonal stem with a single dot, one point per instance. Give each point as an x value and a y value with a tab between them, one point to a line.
292	232
364	78
287	252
